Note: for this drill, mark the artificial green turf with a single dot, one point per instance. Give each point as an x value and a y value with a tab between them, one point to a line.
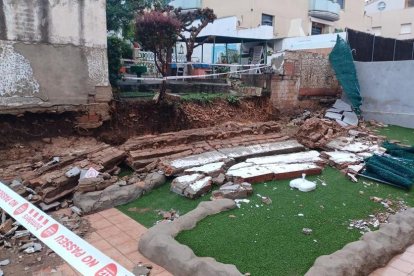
404	135
158	199
268	239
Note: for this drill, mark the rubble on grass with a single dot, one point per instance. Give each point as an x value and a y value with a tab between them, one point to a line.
234	191
170	215
307	231
375	220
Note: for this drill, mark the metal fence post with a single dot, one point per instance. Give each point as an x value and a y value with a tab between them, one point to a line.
393	55
373	49
412	55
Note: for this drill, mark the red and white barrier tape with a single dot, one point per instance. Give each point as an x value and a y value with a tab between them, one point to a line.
75	251
196	76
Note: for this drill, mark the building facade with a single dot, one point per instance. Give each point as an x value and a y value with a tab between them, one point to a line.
53	55
288	18
391	18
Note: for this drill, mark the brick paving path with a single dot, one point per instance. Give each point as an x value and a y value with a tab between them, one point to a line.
401	265
117	236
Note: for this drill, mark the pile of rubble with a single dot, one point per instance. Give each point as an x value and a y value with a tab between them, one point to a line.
315	133
17	239
373	221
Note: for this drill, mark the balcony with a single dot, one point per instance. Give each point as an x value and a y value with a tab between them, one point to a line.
324	9
187	4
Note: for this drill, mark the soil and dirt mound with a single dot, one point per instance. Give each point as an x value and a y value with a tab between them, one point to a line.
134	118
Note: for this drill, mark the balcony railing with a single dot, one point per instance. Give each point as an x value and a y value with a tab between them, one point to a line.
324	9
187	4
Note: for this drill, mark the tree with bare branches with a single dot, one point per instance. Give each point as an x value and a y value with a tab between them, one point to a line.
192	23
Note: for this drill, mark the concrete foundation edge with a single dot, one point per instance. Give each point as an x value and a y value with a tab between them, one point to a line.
372	251
159	245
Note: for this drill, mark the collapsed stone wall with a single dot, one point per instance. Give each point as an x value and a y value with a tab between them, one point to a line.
53	56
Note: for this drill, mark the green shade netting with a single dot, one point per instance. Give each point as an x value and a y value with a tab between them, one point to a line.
343	64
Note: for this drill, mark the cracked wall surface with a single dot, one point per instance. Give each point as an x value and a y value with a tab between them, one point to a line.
52	53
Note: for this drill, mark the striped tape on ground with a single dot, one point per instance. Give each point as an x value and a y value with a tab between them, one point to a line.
75	251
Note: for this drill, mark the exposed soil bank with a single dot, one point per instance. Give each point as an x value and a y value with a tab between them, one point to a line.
133	118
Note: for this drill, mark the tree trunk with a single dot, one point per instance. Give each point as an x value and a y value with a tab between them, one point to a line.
189	56
163	89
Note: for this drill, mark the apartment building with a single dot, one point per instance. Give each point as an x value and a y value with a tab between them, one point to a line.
288	18
391	18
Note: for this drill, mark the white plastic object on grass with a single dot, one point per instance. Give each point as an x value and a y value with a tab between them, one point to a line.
302	184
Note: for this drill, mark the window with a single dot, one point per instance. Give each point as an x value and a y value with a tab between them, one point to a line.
409	3
377	30
317	28
267	20
341	3
405	28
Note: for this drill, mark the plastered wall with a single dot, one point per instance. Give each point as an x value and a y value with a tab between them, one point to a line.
53	53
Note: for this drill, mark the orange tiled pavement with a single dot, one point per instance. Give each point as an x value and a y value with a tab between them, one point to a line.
401	265
117	236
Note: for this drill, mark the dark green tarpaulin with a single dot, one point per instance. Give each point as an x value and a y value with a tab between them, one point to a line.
343	64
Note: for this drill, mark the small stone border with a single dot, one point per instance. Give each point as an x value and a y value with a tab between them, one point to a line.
374	250
158	244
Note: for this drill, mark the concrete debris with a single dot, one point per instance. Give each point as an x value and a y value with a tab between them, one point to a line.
350	118
220	179
333	115
169	215
302	184
141	270
47	207
234	191
300	157
266	200
342	159
268	172
213	169
342	106
307	231
239	201
73	172
4	262
342	114
76	210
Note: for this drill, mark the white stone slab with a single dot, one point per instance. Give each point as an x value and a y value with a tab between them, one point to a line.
333	116
261	149
341	105
207	169
342	157
240	165
249	172
350	118
287	168
299	157
198	160
199	184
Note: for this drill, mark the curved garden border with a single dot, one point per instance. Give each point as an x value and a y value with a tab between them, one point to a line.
374	250
158	244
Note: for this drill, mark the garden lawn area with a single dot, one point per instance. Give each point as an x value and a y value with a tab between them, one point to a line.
267	239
